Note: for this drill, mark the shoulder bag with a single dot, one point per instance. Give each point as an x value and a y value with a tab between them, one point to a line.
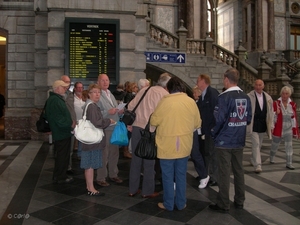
146	147
42	124
129	116
86	132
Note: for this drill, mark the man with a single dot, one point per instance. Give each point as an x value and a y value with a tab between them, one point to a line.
110	154
143	112
69	98
61	125
79	102
206	104
232	115
262	121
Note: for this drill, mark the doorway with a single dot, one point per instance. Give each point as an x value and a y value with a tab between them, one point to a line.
3	96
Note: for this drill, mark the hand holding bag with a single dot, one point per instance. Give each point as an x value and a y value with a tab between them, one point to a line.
146	147
119	135
42	124
86	132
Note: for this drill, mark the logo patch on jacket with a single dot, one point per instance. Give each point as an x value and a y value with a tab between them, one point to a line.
241	105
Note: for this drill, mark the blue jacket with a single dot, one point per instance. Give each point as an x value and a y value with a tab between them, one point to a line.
232	114
206	107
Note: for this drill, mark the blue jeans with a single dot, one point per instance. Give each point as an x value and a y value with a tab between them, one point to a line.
174	170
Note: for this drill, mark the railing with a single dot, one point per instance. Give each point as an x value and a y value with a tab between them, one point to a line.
291	70
195	46
225	56
162	37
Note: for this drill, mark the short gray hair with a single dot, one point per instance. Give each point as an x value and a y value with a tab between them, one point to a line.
163	80
286	89
143	83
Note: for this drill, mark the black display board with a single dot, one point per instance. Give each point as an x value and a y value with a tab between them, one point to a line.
92	48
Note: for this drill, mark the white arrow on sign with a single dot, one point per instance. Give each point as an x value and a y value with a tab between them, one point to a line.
156	57
180	58
165	57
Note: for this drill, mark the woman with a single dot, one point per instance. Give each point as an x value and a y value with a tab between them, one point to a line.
175	118
131	91
91	156
286	125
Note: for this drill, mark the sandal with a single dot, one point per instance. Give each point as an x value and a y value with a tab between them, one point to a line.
97	193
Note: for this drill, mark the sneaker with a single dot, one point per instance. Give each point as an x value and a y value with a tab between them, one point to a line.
272	159
161	206
290	167
258	169
203	182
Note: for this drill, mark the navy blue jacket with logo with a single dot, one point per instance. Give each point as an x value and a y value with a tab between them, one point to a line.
232	115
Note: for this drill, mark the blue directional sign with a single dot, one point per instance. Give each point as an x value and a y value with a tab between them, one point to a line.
165	57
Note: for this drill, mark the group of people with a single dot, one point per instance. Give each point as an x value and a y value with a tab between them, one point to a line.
210	129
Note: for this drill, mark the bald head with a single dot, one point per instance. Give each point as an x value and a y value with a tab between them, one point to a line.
66	79
259	86
103	81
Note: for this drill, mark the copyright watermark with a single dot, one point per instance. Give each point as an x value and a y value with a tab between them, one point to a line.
18	216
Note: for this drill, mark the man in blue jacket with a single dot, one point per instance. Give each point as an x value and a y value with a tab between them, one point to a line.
232	114
206	104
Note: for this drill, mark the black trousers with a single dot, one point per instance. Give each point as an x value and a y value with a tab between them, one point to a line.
198	158
62	152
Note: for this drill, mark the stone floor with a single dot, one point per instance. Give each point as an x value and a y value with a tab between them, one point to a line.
28	196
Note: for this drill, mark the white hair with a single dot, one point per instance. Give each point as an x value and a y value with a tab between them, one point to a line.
143	83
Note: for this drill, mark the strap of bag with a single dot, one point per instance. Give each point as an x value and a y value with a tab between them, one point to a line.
147	127
43	111
141	99
84	115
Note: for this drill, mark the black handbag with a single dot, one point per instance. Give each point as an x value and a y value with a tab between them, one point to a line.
129	116
146	147
42	124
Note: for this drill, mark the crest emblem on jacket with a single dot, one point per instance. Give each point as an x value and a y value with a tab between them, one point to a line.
241	105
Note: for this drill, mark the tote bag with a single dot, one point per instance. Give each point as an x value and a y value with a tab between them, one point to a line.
86	132
119	135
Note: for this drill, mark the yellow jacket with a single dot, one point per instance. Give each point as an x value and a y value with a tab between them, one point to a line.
175	117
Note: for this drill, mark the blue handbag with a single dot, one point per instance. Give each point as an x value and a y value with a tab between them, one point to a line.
119	135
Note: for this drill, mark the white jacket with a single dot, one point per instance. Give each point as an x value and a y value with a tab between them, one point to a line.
270	113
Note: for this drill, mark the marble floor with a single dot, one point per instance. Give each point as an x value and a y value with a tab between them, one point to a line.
28	196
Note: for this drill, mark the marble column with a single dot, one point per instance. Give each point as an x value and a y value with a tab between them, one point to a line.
271	26
203	19
190	18
259	26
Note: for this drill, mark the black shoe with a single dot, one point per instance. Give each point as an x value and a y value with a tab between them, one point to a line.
66	181
218	209
212	183
70	172
238	206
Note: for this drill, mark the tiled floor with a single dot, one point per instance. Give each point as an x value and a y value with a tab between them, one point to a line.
29	197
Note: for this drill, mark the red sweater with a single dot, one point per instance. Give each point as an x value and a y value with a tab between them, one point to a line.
277	131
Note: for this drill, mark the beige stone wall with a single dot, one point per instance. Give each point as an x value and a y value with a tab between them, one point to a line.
36	51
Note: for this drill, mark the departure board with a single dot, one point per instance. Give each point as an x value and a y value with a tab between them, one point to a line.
92	48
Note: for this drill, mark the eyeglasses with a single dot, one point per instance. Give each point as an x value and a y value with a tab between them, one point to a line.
94	92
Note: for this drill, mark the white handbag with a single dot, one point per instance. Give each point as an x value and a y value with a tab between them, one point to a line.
86	132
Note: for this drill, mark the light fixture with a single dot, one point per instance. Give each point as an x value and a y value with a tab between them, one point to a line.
2	38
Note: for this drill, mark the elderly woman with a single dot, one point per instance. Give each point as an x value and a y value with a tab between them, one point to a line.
175	118
286	125
91	156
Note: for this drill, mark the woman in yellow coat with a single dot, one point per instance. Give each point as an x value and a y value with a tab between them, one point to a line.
175	118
